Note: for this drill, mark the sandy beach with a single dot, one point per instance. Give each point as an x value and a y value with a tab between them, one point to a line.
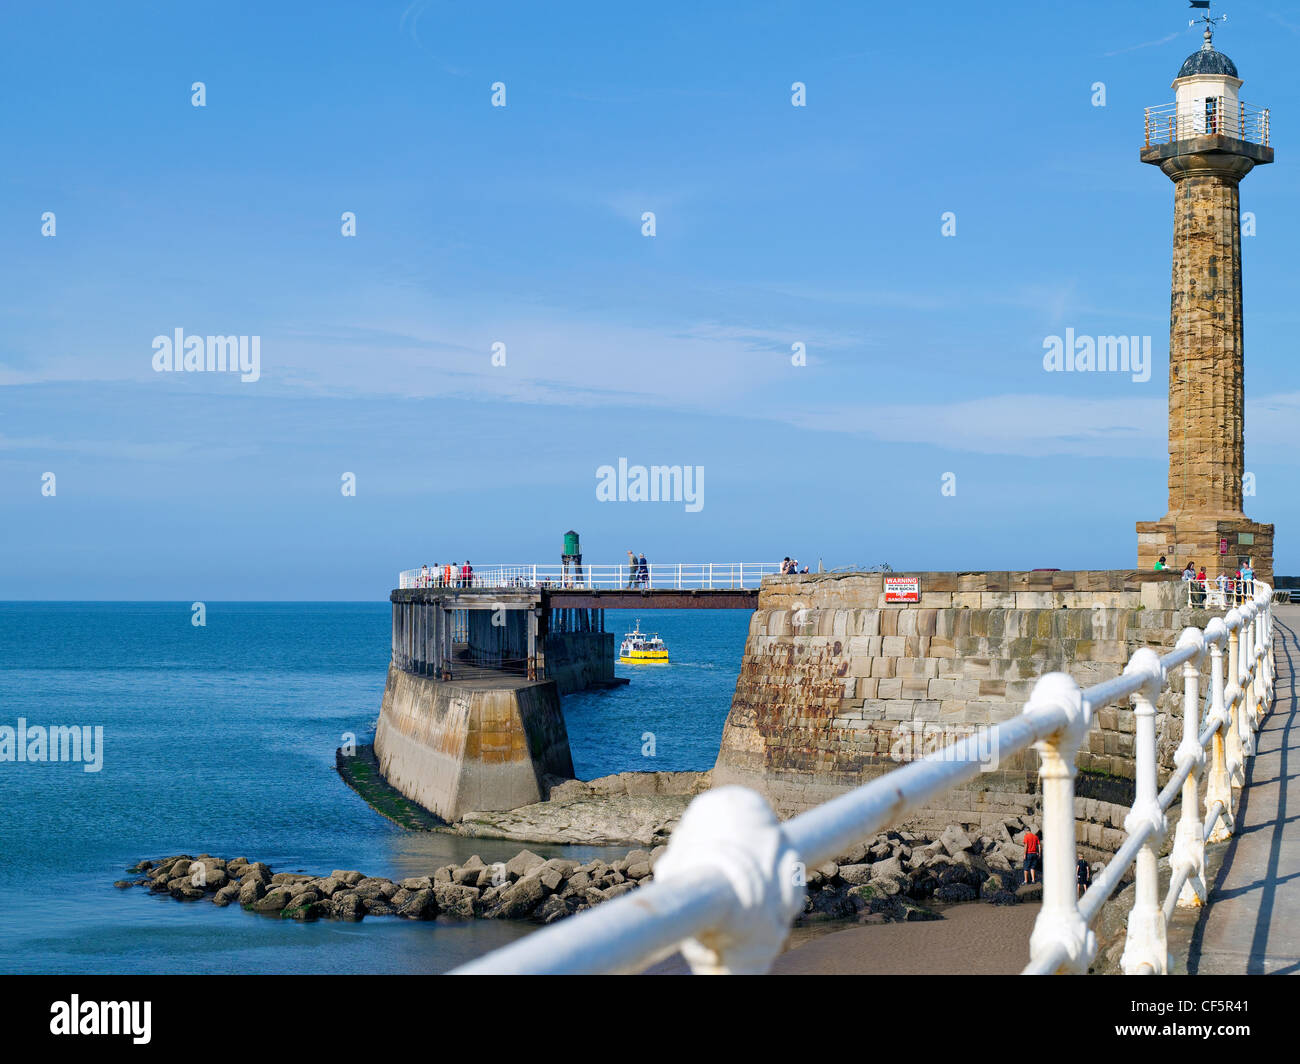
974	939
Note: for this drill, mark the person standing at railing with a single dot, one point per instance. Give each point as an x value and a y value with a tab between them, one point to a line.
1082	876
446	575
1160	565
1248	580
467	575
633	569
1200	584
644	567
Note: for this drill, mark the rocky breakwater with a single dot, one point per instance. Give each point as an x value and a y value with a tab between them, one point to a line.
881	879
884	879
527	886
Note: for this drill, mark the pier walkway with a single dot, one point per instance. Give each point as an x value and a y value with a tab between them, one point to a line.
1252	926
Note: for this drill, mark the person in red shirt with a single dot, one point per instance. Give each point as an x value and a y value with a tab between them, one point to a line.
466	575
1032	855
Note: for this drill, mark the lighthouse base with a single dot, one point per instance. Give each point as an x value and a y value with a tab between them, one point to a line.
1219	544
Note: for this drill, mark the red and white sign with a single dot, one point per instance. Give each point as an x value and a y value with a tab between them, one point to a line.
1223	546
902	589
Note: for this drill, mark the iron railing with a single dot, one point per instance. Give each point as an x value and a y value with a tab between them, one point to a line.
705	576
731	881
1167	123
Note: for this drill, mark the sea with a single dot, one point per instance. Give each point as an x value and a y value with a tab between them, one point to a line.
220	738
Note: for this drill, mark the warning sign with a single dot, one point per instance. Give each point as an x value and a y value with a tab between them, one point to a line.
902	589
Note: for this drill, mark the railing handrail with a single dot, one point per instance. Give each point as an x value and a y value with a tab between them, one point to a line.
730	882
731	575
1168	122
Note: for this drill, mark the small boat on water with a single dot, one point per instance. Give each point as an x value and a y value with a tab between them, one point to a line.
641	649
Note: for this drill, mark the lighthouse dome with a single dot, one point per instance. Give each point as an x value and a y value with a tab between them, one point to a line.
1208	61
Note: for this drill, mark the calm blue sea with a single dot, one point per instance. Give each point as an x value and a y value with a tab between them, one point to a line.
222	739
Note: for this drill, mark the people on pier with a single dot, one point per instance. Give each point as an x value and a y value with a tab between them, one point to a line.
633	569
446	575
467	575
644	568
423	580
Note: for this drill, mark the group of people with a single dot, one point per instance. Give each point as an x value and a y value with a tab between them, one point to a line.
1233	589
790	566
453	574
638	570
1033	865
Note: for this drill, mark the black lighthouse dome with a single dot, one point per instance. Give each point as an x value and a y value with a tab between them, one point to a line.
1208	61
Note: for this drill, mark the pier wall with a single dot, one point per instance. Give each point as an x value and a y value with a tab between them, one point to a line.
577	661
837	687
478	745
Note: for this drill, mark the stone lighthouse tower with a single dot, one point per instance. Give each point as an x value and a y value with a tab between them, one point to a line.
1206	142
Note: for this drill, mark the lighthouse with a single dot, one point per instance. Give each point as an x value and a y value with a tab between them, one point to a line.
1206	142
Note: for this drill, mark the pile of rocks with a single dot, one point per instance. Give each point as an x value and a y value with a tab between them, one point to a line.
525	887
879	880
882	879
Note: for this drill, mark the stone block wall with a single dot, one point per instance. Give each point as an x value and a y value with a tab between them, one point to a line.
838	687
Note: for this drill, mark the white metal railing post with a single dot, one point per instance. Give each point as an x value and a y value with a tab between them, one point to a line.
1218	787
1260	697
733	831
1060	929
1145	949
1246	679
1232	697
1189	837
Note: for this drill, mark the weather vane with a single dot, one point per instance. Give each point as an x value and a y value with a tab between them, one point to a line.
1207	18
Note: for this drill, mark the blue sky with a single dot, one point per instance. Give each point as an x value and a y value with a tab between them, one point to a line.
522	225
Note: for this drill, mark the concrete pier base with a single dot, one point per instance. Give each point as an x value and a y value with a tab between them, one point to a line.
481	744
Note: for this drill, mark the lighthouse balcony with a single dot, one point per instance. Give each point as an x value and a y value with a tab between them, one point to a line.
1213	116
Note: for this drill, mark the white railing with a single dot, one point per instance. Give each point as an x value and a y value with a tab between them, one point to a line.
1166	123
682	576
731	881
1217	594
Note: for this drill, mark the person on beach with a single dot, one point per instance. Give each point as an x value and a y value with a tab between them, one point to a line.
1032	846
1082	876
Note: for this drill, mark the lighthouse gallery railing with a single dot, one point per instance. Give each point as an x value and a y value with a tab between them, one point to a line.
731	881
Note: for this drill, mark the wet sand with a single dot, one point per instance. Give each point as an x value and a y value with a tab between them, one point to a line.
972	939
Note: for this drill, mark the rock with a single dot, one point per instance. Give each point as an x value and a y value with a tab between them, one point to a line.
552	909
301	906
488	877
829	870
421	905
551	878
636	857
347	878
568	791
287	878
954	892
474	862
880	851
954	840
374	887
377	905
257	868
577	883
522	863
273	901
519	899
995	884
443	874
417	883
400	898
887	869
640	870
183	890
251	890
656	853
467	876
347	905
857	855
227	894
329	886
855	873
122	884
456	900
617	889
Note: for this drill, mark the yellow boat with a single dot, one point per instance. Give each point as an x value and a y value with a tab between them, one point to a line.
641	649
